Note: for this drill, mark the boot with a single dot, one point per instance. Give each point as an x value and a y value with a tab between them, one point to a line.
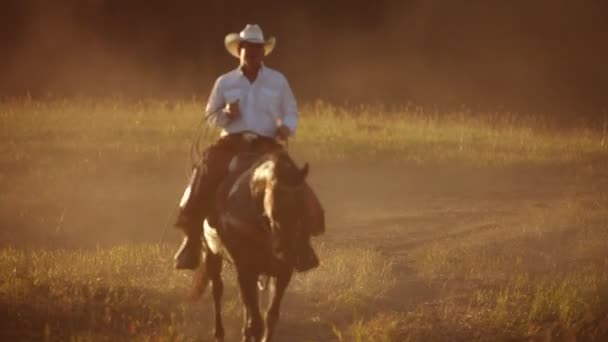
306	258
188	256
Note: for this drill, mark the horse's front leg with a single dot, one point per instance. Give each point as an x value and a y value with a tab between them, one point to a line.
213	263
253	325
272	315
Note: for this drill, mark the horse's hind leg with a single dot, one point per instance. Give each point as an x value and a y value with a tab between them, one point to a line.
272	315
213	263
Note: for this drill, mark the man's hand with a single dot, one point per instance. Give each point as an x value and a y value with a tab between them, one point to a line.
283	132
233	110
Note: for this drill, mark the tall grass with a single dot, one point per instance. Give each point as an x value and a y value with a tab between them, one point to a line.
545	275
159	129
132	292
541	275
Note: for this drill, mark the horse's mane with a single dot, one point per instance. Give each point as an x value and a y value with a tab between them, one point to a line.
274	168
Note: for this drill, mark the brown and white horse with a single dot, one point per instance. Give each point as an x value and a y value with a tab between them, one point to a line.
260	216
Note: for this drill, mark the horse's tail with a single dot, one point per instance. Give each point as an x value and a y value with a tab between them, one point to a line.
200	282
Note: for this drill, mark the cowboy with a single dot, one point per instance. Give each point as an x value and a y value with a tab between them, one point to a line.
253	106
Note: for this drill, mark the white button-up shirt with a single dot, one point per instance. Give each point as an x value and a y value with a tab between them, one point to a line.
264	104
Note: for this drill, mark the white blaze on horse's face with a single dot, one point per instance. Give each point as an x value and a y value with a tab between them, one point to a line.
262	179
278	183
264	172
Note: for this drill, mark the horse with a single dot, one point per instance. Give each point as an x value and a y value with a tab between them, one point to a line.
258	220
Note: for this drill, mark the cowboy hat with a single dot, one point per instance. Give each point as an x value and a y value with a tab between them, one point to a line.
252	34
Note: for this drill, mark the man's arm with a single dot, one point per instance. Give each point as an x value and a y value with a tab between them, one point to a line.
289	108
215	113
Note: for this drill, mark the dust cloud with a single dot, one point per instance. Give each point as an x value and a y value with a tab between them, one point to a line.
523	55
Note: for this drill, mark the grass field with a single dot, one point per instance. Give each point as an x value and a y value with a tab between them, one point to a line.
159	129
441	226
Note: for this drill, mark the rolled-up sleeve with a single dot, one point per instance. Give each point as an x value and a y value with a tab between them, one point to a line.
214	112
289	107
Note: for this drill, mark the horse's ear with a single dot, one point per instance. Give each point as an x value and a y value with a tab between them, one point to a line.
304	171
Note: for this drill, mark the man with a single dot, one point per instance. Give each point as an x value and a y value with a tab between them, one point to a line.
253	105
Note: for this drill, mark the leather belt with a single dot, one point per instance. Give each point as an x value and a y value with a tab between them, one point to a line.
247	137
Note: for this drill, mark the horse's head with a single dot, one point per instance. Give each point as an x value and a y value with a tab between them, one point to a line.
284	205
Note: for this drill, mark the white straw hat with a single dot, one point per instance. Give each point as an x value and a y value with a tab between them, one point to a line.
252	34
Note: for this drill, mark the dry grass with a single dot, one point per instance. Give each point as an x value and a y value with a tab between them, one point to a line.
543	277
132	292
159	129
421	136
350	277
541	274
543	280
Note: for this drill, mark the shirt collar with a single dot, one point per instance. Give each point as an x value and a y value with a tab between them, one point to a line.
260	72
